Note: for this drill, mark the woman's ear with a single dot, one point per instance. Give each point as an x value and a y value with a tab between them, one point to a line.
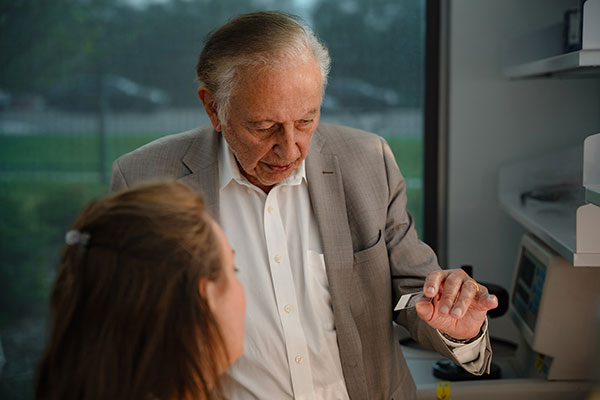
209	291
208	99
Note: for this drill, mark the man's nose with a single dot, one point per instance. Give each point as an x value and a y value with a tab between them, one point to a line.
286	147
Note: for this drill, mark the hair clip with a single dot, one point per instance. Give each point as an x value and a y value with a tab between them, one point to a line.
76	237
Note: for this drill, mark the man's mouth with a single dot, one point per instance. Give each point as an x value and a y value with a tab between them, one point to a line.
279	168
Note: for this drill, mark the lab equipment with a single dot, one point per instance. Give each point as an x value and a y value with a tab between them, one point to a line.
553	305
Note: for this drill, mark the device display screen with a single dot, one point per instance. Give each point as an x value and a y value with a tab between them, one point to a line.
528	288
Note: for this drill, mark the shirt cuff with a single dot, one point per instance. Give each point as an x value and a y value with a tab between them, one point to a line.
470	355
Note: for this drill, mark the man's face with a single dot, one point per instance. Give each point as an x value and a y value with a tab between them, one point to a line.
272	115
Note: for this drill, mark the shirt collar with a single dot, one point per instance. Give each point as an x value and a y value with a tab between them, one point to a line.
229	170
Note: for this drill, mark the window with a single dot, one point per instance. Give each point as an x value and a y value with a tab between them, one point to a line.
84	81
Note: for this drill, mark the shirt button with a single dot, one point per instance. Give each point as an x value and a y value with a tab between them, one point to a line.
249	191
299	359
277	259
284	189
287	308
270	209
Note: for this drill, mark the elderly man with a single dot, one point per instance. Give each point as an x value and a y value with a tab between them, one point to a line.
317	216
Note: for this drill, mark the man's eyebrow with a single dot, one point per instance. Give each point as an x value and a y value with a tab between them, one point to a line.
261	121
310	113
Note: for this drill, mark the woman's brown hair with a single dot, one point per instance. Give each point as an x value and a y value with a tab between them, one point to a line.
127	317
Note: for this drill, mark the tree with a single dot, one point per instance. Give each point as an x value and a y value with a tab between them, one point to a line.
391	32
43	41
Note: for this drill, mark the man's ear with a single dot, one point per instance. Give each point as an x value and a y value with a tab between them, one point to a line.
208	99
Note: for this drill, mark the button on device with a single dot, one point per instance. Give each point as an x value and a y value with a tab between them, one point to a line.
299	359
277	259
287	308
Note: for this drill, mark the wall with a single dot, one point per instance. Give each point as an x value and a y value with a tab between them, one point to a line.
493	121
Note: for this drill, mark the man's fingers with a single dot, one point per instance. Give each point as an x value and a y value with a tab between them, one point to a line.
490	301
451	289
468	291
471	294
425	309
457	292
434	281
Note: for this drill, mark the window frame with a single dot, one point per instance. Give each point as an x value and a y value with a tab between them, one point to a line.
435	126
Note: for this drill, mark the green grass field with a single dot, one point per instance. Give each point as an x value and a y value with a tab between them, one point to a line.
52	161
75	153
61	153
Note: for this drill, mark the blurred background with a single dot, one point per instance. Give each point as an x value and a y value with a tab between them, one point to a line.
84	81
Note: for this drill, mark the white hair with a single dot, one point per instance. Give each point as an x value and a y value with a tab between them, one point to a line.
256	40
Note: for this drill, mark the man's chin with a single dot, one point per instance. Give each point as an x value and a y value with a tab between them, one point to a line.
272	181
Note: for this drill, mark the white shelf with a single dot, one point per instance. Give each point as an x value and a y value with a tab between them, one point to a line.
591	168
582	63
554	222
540	53
588	217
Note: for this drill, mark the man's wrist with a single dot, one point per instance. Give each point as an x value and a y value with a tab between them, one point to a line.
464	341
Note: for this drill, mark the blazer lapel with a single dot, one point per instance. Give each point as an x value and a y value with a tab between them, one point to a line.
326	189
201	159
328	201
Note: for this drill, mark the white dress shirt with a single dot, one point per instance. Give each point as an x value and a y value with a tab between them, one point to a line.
290	345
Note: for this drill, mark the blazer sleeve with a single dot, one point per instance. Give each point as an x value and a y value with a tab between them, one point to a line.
411	260
117	178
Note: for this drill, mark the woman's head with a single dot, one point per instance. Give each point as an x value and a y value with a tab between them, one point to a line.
134	305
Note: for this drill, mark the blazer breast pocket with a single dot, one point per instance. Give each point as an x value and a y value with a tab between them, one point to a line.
371	283
369	253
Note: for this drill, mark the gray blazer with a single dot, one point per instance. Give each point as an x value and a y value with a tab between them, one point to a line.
372	253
